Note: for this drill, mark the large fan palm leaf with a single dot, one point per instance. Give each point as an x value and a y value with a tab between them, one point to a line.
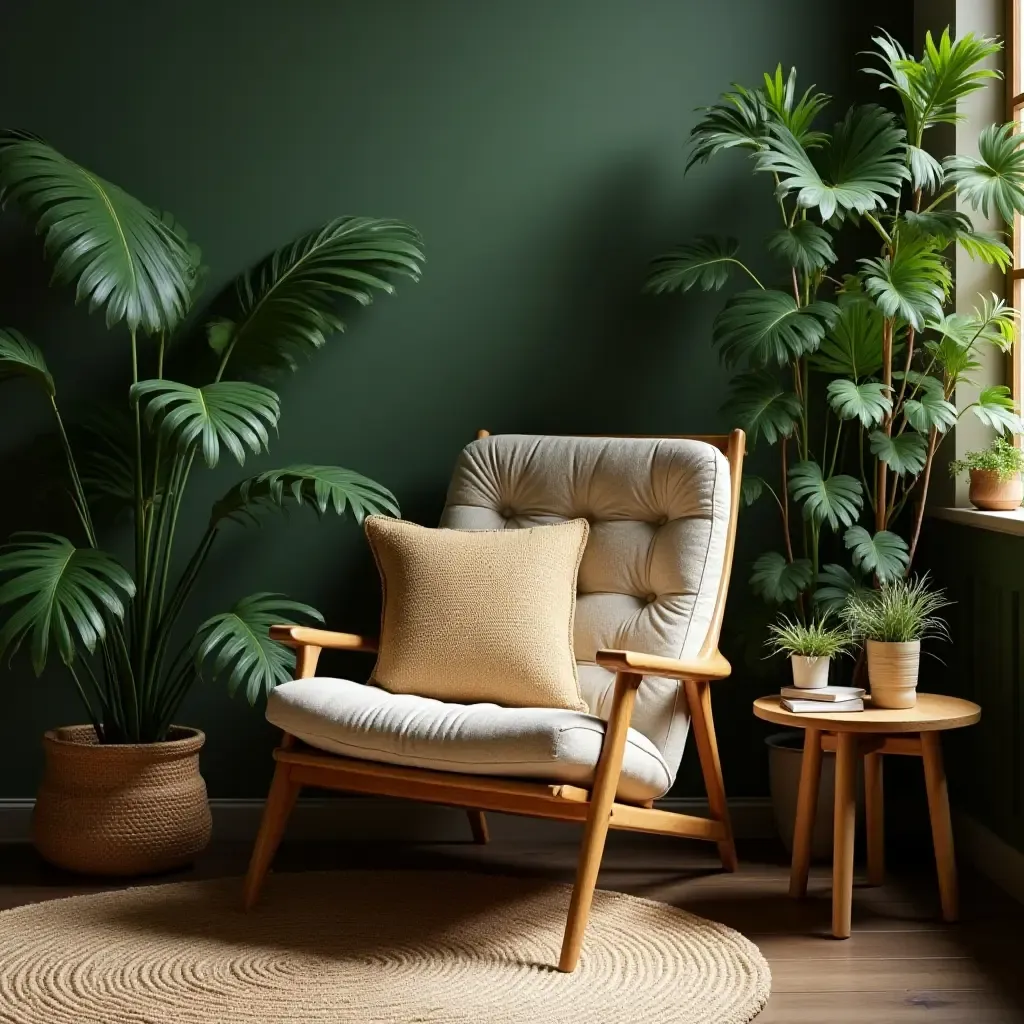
117	251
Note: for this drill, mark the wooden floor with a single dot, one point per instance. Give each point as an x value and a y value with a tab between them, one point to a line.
902	965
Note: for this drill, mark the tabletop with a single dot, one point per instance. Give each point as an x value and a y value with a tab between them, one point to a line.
932	713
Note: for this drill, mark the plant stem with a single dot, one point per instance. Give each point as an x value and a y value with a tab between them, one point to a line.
140	525
925	479
784	502
911	334
81	505
94	719
882	469
835	450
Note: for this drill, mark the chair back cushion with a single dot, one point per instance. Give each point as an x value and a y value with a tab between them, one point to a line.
480	617
659	514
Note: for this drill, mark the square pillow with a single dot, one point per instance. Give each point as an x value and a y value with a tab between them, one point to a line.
475	616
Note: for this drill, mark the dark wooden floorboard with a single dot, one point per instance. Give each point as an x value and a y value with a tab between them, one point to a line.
901	966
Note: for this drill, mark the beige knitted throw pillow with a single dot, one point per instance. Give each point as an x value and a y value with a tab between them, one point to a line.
479	616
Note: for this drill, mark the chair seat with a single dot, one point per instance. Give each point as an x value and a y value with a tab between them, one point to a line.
549	744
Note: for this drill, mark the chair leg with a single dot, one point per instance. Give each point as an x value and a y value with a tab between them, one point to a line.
280	801
478	823
698	694
595	832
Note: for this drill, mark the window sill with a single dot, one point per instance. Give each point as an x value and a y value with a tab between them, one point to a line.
997	522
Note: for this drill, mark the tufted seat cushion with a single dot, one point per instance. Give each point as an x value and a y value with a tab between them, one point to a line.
552	744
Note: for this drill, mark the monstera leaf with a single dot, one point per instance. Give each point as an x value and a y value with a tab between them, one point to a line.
20	358
869	402
319	487
930	410
229	413
995	179
236	645
865	162
117	251
804	246
853	345
288	304
885	554
903	453
706	262
768	327
762	406
751	488
777	580
64	595
836	585
835	499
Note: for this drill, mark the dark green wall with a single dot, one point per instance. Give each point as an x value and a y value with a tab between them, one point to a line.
537	144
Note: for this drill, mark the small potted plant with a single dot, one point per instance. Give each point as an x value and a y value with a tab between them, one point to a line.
995	471
811	646
893	620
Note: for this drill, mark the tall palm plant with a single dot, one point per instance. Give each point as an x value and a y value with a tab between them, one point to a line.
852	371
114	629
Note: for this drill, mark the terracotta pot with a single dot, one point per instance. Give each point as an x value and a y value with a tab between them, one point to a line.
809	673
892	673
991	494
121	809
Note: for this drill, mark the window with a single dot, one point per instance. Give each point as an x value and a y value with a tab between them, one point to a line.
1015	113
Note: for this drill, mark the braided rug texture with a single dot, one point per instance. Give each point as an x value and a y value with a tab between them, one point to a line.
372	947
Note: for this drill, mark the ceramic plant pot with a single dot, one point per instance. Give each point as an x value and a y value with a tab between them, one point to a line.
121	809
809	673
992	494
892	673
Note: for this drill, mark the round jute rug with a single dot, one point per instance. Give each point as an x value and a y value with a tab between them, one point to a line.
369	947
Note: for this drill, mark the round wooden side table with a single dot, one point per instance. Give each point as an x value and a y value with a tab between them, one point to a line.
870	734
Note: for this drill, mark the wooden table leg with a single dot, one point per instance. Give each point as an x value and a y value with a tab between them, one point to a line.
874	807
942	825
806	804
844	825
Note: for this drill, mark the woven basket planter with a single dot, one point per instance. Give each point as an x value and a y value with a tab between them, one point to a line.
121	809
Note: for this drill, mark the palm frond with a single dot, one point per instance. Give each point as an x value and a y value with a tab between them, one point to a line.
19	357
705	262
994	180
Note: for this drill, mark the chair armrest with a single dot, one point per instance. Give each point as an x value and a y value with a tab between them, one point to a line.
304	636
708	666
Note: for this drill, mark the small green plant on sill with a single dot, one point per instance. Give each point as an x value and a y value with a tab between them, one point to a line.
901	610
816	639
1000	457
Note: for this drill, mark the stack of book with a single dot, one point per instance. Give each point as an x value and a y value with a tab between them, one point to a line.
822	699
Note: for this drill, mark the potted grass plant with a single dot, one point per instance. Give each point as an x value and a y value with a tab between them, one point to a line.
893	621
123	794
995	474
811	646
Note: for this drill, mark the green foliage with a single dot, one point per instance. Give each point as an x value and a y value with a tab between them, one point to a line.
116	250
835	499
705	262
814	639
751	488
836	584
930	410
911	284
996	409
804	246
769	328
778	580
762	406
995	179
869	402
902	453
288	304
900	611
865	161
1001	457
63	595
853	345
118	632
235	646
885	553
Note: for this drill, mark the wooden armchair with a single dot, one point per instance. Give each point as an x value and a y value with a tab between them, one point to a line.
654	579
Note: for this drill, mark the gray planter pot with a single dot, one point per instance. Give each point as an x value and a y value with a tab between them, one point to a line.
785	751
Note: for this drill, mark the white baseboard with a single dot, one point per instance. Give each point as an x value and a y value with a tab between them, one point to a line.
362	819
979	846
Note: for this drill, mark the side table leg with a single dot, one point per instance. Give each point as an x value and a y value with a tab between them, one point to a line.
942	826
844	825
806	804
874	807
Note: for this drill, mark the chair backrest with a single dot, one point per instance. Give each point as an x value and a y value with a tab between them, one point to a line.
655	574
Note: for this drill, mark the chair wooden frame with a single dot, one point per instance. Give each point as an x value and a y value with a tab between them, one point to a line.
596	808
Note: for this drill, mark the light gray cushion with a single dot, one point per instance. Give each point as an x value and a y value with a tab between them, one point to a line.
550	744
658	511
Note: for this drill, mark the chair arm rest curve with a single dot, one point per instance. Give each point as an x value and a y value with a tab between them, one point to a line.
306	636
706	666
